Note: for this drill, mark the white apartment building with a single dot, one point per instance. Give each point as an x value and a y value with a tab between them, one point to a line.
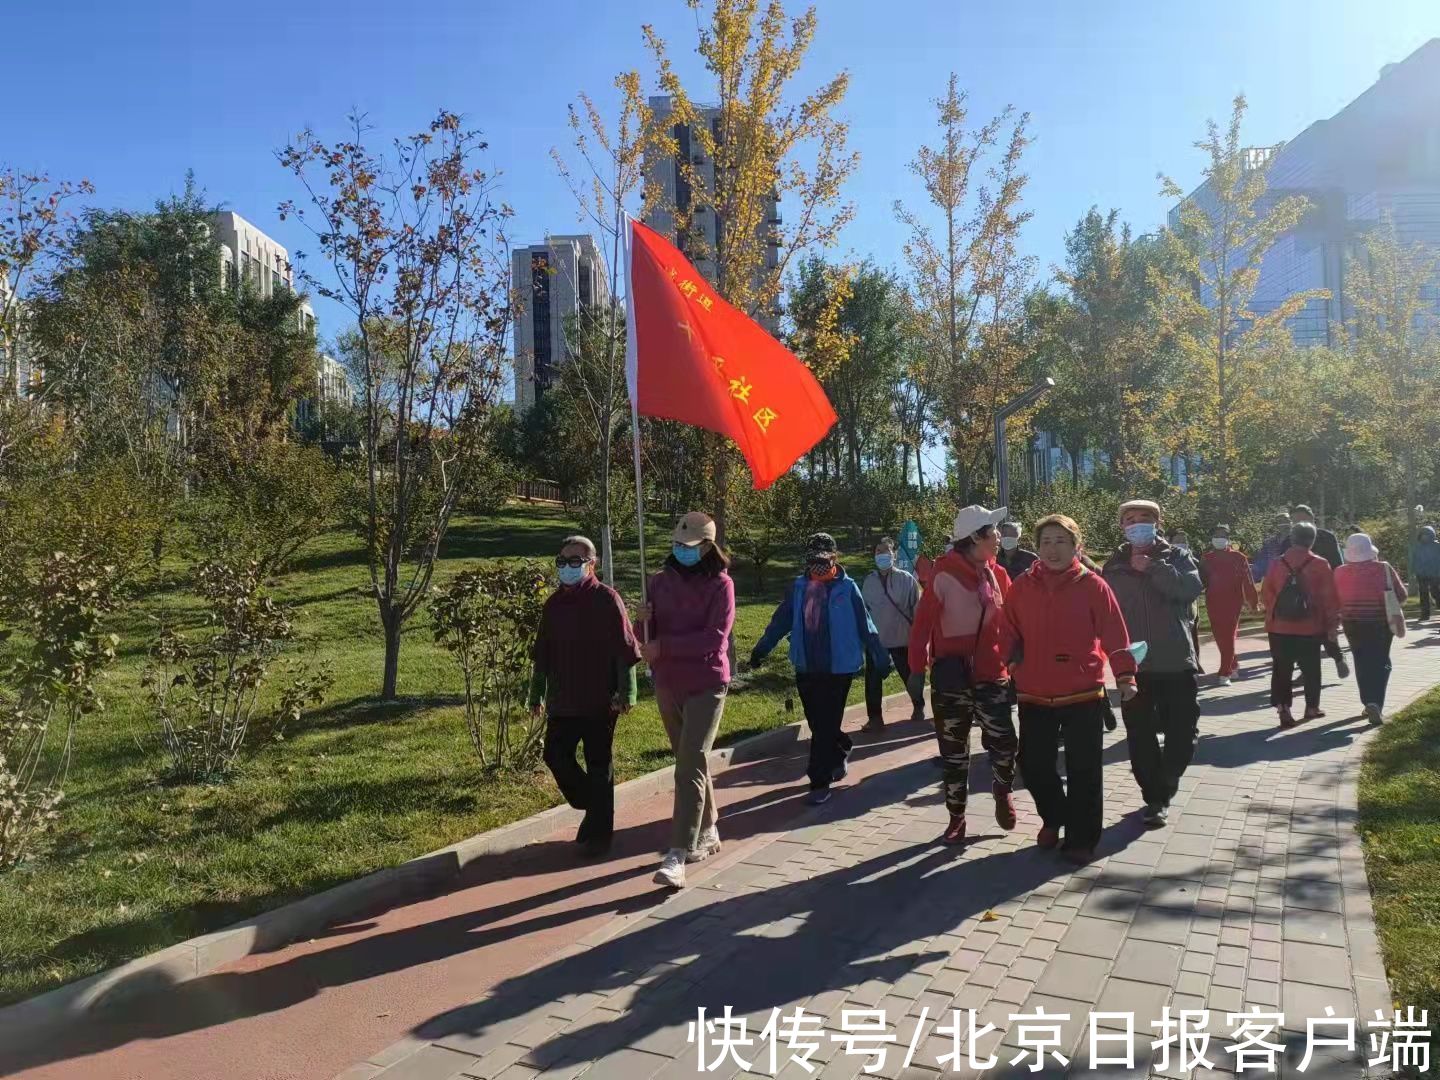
247	254
553	281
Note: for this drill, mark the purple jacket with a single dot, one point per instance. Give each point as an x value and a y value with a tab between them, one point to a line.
694	614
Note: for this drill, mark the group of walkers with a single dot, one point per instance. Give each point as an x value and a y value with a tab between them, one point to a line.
996	626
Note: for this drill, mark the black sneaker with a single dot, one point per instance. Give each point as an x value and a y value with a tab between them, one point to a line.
874	724
595	847
1155	816
1342	668
818	796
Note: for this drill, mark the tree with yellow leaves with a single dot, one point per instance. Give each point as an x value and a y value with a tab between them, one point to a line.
1393	338
611	179
970	280
751	149
1214	252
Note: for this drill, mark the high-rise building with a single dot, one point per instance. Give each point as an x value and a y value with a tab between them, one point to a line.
554	282
670	186
1378	156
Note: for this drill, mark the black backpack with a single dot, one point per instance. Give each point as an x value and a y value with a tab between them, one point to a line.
1293	602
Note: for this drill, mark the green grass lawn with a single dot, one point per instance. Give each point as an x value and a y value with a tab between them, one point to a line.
1400	826
136	864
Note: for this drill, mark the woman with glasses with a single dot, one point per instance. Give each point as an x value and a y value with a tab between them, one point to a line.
690	614
585	656
956	637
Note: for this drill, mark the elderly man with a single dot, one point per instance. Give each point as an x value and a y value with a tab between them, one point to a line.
1014	558
891	595
1157	585
585	656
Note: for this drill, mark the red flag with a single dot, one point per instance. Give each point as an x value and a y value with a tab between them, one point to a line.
692	357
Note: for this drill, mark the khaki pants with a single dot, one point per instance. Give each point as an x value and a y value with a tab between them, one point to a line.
692	723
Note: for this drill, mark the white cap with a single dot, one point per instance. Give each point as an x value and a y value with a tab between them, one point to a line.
974	518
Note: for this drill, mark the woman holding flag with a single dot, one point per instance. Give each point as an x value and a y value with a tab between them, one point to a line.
688	620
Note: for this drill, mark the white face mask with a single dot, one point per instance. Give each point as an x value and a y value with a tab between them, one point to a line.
1219	543
1009	543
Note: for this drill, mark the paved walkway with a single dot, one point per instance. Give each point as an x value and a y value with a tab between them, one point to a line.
1255	893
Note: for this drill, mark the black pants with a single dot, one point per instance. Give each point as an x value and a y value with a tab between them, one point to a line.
1287	651
1429	589
823	699
1333	650
1077	805
592	788
1370	642
875	682
1166	703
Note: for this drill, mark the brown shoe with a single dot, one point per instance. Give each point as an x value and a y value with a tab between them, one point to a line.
1004	807
1287	719
1048	838
1078	856
955	834
1314	714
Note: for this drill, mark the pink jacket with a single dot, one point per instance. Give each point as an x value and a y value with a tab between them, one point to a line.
694	614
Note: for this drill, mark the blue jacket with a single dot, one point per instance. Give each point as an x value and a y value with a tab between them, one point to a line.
1272	549
1425	555
846	633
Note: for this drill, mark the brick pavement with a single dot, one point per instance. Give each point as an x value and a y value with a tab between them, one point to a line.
1255	895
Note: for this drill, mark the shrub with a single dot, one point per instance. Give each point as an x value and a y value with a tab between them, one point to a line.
487	620
267	504
207	694
60	604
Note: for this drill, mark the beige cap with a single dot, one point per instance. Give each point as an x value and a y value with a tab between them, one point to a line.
694	528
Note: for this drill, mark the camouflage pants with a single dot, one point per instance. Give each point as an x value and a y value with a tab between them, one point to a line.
955	713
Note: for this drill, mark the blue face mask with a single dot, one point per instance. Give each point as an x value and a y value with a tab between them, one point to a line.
884	562
572	575
1141	534
686	556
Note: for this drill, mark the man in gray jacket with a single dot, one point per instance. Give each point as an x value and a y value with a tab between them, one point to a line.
1157	585
892	595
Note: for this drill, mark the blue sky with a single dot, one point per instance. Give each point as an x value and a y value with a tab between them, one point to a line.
136	93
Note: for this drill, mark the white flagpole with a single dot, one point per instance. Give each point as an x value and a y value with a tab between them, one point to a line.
632	373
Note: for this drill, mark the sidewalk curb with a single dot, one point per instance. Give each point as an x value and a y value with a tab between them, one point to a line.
422	876
34	1017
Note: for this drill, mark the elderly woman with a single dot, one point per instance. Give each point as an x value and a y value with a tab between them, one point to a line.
1302	612
831	633
584	679
689	618
1362	584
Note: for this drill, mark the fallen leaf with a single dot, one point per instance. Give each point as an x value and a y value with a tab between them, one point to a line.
989	916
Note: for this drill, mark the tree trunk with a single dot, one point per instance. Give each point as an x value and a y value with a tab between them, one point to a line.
390	619
607	555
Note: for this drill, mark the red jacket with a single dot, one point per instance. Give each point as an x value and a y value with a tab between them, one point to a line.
1065	624
948	621
1319	583
1228	584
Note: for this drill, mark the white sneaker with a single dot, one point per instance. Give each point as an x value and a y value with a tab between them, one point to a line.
1224	680
708	844
672	871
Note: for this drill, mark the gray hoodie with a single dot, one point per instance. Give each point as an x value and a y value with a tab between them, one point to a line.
892	600
1159	604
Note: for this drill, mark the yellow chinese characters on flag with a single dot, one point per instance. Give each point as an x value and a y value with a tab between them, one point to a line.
692	357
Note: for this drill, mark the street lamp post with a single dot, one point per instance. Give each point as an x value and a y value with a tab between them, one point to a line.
1002	457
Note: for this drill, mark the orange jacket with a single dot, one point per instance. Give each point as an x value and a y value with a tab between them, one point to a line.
960	615
1319	583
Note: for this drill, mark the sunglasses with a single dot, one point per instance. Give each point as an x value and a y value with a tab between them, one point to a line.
574	561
